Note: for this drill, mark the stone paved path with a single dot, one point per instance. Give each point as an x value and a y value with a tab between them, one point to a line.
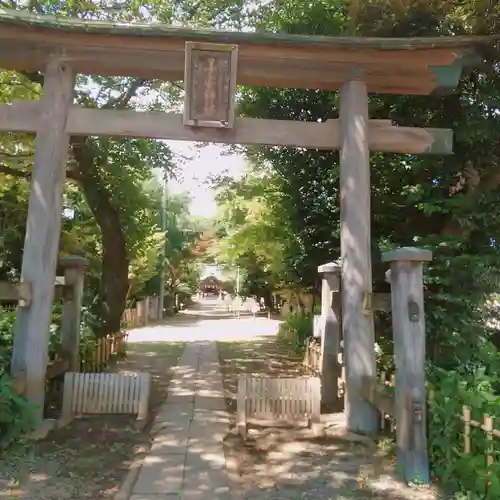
187	460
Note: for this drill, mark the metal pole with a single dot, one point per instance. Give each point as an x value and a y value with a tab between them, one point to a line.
164	226
238	281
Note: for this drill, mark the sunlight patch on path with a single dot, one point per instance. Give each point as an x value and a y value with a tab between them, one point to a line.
197	328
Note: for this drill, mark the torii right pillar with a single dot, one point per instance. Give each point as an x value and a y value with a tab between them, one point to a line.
358	330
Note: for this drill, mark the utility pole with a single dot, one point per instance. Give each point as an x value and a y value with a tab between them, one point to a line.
238	281
164	227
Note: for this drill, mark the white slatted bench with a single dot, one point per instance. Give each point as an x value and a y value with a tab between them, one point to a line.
278	401
111	393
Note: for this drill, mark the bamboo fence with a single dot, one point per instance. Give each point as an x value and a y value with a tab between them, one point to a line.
312	357
131	318
103	351
312	361
491	434
144	311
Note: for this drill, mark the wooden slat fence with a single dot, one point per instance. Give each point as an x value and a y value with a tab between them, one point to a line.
95	359
8	307
312	361
387	420
108	393
104	349
131	318
144	311
312	357
278	401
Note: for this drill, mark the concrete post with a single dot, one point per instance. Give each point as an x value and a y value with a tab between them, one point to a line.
74	272
330	332
408	323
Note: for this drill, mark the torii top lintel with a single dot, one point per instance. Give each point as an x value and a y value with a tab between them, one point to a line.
153	51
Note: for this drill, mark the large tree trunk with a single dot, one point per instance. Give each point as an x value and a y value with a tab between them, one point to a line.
115	262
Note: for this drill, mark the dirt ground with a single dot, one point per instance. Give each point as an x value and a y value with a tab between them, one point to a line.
90	457
286	464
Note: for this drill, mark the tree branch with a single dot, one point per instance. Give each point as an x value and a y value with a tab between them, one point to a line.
177	85
124	98
22	174
16	156
34	76
7	5
4	169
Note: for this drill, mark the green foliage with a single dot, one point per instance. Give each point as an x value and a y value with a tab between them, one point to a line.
7	319
16	414
456	470
296	330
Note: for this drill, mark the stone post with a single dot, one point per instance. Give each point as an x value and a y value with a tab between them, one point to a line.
146	311
74	273
330	332
408	324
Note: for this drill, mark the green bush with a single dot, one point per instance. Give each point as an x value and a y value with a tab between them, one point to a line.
296	330
465	474
7	319
16	414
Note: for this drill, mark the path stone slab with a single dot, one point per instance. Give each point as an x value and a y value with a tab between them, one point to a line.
209	417
205	490
167	442
180	399
211	403
160	474
210	433
168	496
187	458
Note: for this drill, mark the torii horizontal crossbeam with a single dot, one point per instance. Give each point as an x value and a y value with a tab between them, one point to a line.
24	116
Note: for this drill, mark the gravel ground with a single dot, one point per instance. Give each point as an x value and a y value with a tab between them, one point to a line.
283	464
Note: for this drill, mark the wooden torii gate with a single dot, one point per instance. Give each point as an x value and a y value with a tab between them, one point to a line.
211	63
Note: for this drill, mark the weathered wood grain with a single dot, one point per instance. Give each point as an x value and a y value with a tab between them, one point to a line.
380	396
210	85
408	325
24	116
74	273
15	291
330	368
358	330
42	232
153	51
108	393
277	401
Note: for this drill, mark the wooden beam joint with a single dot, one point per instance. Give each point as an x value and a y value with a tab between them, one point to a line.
20	292
376	302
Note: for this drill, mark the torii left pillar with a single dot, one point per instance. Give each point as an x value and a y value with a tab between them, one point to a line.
43	229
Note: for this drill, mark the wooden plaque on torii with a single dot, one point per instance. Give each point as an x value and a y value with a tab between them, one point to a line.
210	84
